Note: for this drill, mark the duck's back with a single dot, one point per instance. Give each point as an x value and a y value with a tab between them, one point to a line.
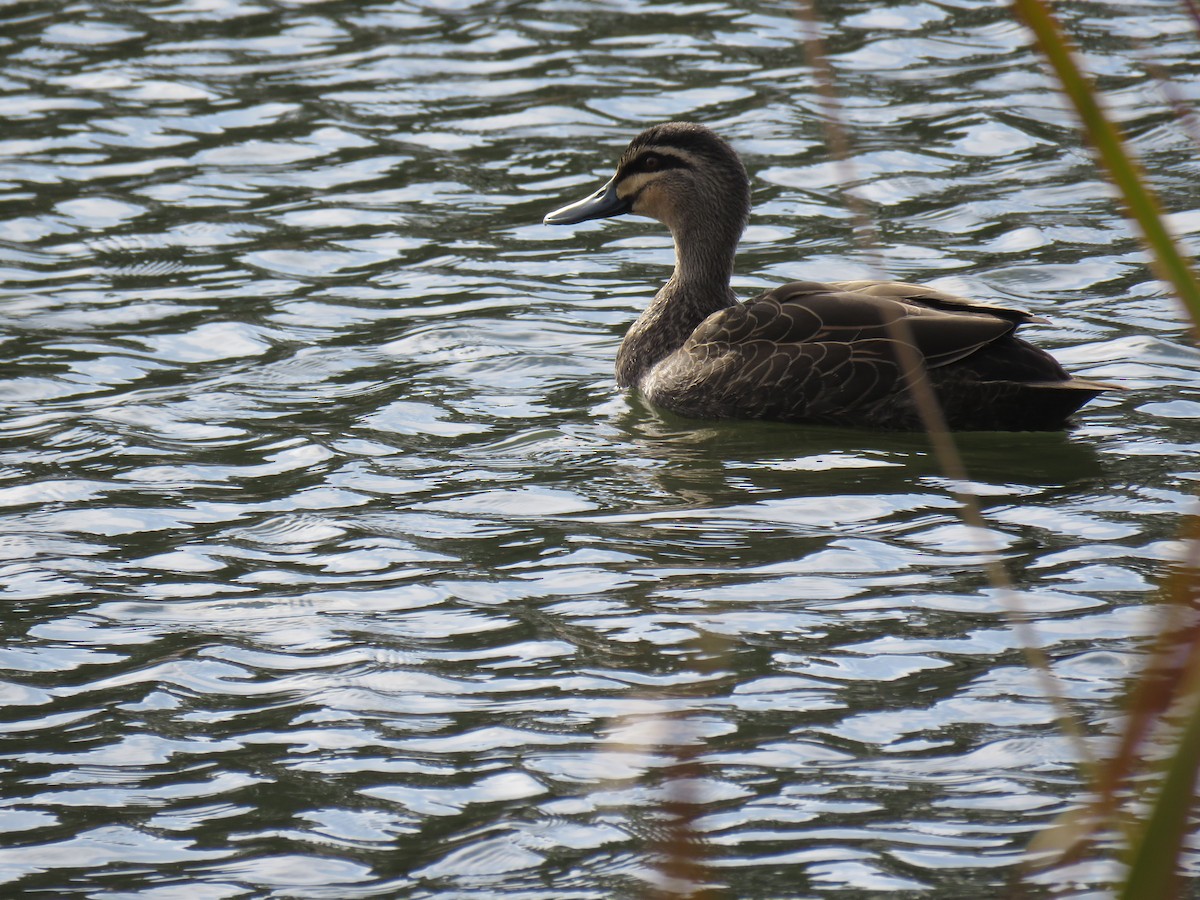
844	353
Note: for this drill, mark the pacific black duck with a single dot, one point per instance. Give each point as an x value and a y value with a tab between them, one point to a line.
805	351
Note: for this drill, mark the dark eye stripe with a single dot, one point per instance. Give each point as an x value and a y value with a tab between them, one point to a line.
664	161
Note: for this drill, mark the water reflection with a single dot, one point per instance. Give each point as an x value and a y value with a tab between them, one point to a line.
335	564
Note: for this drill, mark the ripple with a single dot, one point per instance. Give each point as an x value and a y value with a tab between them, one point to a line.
334	563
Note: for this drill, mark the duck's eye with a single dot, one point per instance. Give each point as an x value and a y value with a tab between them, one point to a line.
651	162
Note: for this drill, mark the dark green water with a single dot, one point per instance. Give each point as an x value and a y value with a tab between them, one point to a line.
334	564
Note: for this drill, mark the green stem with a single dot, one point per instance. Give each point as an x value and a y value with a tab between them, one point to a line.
1166	260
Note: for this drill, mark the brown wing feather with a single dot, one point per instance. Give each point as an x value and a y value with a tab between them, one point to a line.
811	312
827	352
923	295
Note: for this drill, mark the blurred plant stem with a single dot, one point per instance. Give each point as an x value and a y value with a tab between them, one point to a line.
679	851
945	449
1142	205
1169	686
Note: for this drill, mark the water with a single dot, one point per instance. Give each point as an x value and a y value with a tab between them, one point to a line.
336	566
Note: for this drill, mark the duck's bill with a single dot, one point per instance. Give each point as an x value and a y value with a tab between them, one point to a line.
600	205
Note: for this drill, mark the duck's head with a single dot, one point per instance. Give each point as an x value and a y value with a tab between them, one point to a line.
682	174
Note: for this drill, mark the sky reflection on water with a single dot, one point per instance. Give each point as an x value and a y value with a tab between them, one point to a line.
336	566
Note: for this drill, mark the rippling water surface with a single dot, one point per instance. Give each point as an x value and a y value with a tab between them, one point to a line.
336	565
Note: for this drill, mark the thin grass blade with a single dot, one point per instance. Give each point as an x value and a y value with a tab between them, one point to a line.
1168	262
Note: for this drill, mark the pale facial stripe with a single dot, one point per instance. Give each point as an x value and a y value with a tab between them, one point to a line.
631	185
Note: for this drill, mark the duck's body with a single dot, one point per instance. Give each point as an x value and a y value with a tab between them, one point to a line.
842	353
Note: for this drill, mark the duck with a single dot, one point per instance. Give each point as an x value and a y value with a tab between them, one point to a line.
839	353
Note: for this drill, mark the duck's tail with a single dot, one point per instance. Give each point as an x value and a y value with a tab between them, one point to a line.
1047	405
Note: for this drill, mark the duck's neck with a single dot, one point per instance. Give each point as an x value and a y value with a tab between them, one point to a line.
698	287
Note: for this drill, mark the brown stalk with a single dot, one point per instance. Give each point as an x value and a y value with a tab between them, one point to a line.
1174	666
942	441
